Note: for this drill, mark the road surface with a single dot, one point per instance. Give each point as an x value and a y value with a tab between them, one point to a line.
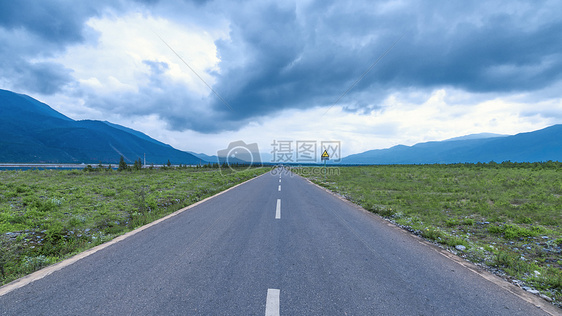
275	245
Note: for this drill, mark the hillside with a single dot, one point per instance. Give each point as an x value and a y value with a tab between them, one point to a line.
32	132
541	145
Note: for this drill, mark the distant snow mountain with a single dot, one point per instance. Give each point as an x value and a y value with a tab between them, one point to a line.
32	132
541	145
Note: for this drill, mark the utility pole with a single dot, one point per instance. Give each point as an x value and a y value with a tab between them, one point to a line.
144	164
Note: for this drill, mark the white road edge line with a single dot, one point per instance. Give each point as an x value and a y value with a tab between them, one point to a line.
37	275
278	209
272	302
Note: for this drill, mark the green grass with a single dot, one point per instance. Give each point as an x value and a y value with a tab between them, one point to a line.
49	215
509	216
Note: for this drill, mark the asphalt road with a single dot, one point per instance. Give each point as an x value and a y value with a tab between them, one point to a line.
272	245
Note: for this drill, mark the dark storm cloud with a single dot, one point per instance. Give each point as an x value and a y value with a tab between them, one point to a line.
57	21
36	29
32	76
175	106
304	57
293	61
45	78
281	55
495	57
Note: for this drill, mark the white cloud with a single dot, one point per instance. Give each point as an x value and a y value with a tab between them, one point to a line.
399	122
113	60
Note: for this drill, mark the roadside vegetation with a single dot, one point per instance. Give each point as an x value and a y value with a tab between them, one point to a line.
49	215
505	217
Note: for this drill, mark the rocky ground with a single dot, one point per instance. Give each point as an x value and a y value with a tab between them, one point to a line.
542	251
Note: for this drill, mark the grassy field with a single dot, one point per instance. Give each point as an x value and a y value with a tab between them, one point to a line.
506	217
49	215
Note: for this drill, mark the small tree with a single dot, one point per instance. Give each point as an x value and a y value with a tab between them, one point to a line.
138	164
122	164
169	164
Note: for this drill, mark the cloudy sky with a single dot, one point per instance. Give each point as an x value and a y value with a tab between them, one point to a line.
371	74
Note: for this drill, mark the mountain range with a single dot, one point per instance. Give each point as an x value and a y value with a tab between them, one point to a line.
537	146
32	132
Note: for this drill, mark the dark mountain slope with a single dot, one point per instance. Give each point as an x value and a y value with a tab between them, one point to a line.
32	132
541	145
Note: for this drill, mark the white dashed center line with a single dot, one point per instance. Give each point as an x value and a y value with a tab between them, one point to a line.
272	302
278	209
279	189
